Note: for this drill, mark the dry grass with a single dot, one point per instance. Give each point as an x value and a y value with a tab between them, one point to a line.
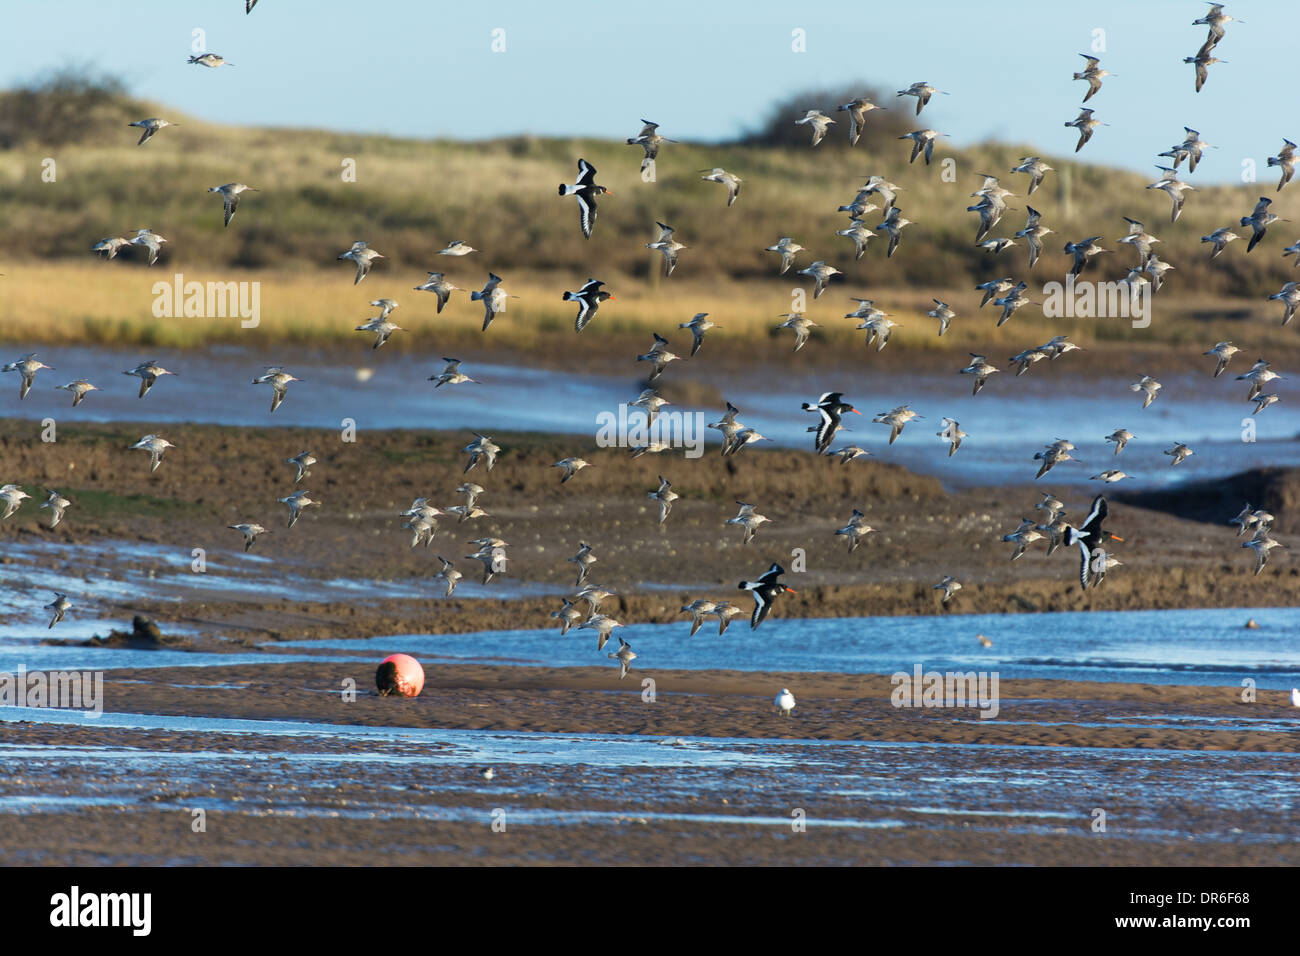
411	197
112	304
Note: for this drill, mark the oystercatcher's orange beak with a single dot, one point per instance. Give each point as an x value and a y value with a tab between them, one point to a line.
792	590
613	296
855	411
1116	537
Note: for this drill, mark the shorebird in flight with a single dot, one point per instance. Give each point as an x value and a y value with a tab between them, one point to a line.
26	367
382	329
1033	234
1149	387
922	142
665	496
625	657
765	591
230	193
12	496
1261	544
922	91
279	380
1085	124
659	356
1259	375
457	247
1289	296
151	241
57	505
79	388
155	446
364	257
981	369
148	372
568	616
1259	221
649	140
1036	169
949	586
698	326
802	327
730	180
1093	74
586	190
571	467
878	186
494	298
1203	61
1089	537
1121	437
952	434
602	624
1191	149
437	284
893	224
589	298
302	462
451	374
819	122
1285	159
250	532
297	501
1138	238
1220	237
668	246
109	247
857	110
481	448
150	127
584	559
861	234
897	420
944	313
451	577
856	529
1179	453
788	249
820	273
830	407
698	610
57	608
1175	187
210	60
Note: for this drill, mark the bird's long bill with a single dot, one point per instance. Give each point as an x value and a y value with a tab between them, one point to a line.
855	411
1117	537
792	590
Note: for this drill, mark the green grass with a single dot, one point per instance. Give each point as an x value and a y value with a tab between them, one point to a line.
102	504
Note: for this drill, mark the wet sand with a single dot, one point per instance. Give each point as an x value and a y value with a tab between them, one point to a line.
220	476
287	808
262	807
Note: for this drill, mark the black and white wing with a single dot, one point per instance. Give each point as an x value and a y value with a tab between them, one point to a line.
586	210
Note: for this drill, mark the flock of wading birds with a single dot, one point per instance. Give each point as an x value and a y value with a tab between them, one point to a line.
1088	536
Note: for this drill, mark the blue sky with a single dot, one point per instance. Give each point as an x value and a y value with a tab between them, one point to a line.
702	70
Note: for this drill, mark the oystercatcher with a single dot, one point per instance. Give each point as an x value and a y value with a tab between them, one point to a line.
1090	536
586	190
765	591
831	406
589	298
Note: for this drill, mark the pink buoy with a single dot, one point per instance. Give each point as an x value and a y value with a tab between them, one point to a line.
400	674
